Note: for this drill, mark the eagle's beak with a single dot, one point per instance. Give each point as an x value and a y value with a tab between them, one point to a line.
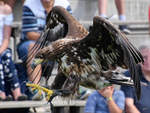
36	62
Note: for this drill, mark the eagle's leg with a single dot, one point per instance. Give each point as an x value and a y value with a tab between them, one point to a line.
47	70
58	81
48	92
71	83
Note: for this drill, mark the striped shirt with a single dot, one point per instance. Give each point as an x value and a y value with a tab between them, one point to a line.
34	16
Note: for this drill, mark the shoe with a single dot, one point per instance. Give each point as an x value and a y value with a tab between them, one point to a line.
124	29
8	98
22	97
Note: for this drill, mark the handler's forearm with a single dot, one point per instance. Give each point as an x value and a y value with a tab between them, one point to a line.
113	108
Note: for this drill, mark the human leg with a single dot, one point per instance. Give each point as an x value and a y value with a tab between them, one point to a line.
2	85
34	75
120	4
17	94
102	6
2	82
149	17
10	73
26	54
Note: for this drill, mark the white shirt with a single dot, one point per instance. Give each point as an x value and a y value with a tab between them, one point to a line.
36	5
63	3
4	20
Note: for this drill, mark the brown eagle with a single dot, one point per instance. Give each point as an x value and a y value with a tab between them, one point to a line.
83	57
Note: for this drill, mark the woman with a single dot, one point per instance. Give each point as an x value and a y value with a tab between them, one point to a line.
8	73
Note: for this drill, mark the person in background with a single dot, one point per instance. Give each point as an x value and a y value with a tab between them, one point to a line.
33	23
149	18
133	105
105	100
120	4
8	73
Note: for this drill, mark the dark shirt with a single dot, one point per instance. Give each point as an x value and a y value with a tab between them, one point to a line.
143	105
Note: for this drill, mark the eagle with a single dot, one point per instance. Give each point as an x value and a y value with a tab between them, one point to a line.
86	57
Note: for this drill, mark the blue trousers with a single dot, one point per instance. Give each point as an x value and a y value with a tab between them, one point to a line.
8	73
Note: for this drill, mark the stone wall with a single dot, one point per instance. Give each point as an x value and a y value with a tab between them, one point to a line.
87	9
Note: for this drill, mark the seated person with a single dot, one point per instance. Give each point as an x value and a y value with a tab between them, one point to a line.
133	105
105	100
33	23
8	73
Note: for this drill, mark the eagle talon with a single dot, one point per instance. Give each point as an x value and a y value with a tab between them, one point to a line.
48	92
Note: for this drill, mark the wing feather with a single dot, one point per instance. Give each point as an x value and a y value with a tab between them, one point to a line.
105	46
112	41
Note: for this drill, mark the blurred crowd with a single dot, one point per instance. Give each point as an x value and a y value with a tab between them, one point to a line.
13	76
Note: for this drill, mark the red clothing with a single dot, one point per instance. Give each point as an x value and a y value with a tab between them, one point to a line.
149	13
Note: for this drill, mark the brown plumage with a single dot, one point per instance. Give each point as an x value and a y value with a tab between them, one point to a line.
86	57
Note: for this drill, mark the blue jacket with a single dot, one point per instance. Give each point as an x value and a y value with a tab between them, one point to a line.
96	103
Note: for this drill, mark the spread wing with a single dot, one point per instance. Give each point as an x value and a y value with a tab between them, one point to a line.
60	24
113	48
104	48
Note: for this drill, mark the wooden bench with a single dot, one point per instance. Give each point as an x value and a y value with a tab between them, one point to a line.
60	105
21	104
